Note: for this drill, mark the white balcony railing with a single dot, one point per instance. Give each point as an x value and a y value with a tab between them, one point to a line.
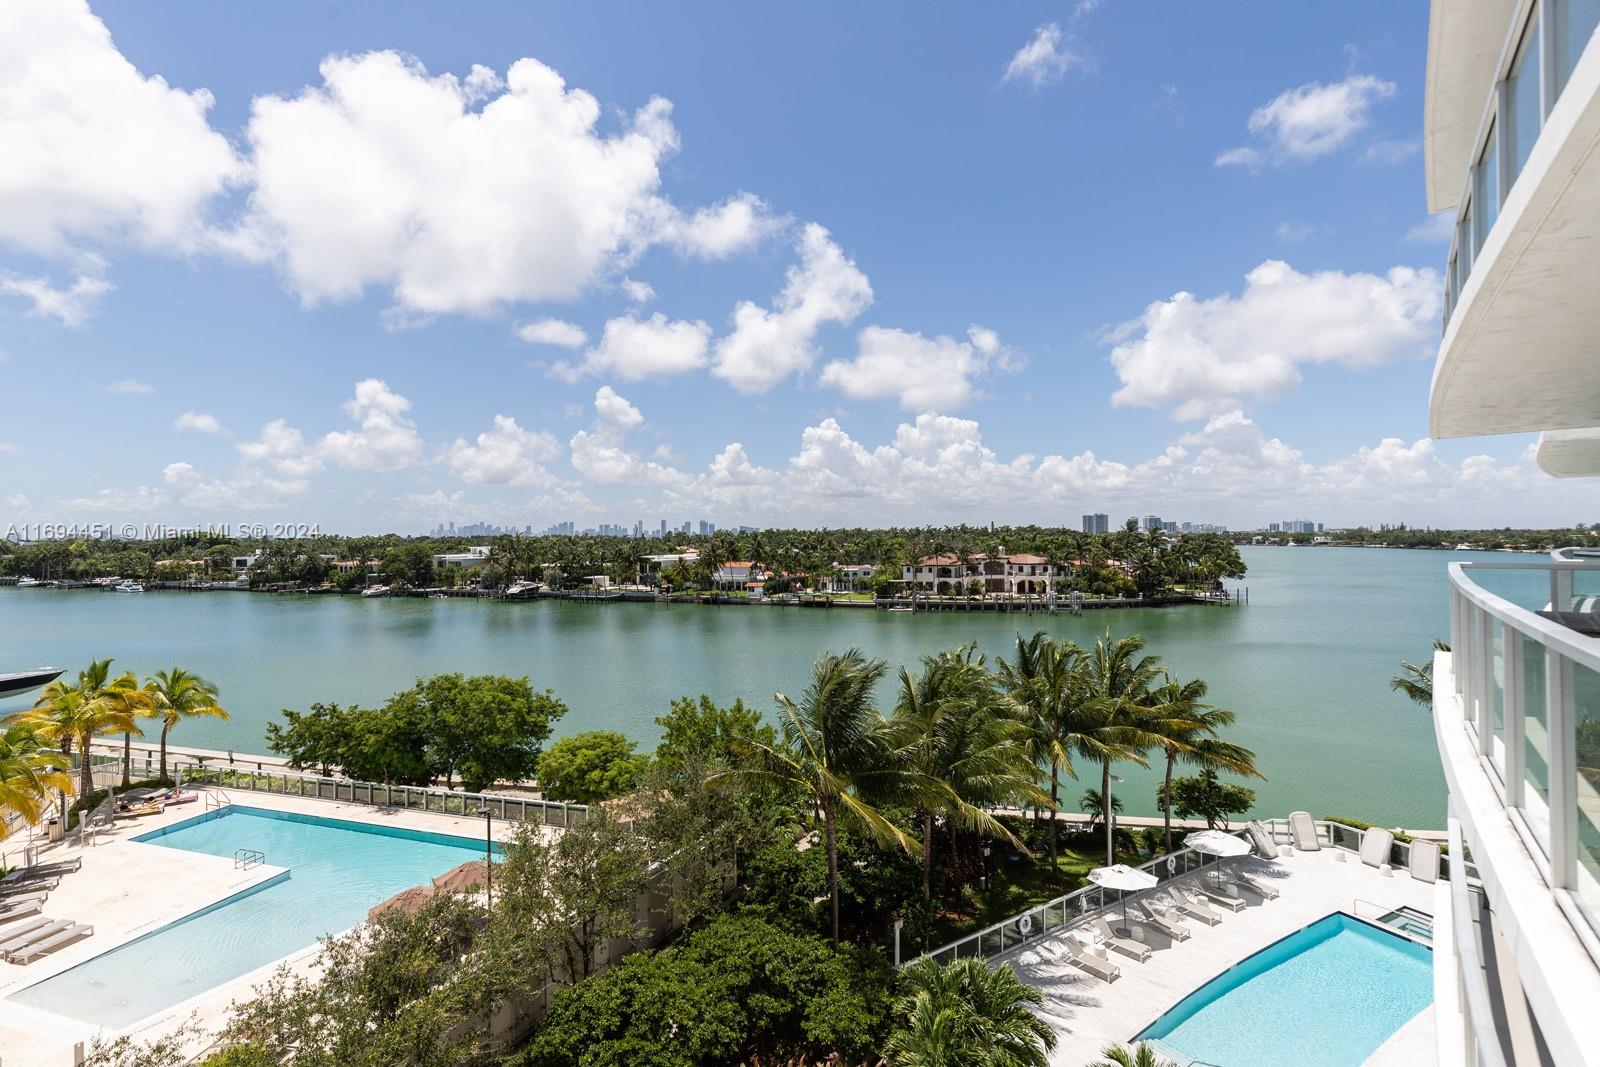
1529	692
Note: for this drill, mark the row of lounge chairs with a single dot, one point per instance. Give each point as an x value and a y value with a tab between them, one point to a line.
25	934
1167	908
1377	846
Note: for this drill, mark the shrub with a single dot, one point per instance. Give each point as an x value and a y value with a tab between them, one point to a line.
589	767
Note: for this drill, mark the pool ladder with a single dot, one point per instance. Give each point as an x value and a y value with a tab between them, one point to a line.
245	858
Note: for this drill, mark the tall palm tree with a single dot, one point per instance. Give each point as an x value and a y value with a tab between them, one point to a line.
69	716
1141	1055
29	770
1188	729
836	749
968	1015
1416	681
176	695
1046	681
951	731
1118	710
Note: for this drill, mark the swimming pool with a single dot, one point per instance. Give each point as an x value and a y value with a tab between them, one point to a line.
337	871
1329	994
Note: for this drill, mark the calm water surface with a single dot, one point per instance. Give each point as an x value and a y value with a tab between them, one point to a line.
1305	665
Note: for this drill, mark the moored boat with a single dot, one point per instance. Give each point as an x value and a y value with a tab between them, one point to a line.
22	681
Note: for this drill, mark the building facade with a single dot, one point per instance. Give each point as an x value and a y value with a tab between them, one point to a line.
1511	131
1012	574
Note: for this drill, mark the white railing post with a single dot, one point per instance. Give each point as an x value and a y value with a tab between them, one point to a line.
1483	681
1563	797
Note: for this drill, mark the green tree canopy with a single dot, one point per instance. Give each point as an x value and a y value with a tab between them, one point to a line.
1205	796
702	727
486	728
589	767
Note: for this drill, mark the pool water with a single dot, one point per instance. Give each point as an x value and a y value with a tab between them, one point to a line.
1329	994
337	871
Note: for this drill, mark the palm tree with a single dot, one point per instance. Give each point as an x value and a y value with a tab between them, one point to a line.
1141	1055
29	770
1188	729
177	695
1120	720
67	715
951	732
1045	680
92	681
836	749
967	1015
1415	681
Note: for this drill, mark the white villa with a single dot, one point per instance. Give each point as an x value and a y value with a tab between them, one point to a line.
472	559
1008	573
1512	124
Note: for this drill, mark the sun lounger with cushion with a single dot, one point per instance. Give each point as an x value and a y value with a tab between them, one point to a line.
41	870
1376	845
1254	884
1192	909
1085	960
24	928
34	931
1127	946
1171	927
38	885
20	907
1424	865
34	950
1303	831
1217	895
1266	847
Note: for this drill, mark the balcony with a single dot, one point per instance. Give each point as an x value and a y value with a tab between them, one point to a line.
1517	717
1519	321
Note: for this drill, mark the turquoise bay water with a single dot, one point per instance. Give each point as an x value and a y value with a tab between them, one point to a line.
1330	994
1305	665
337	871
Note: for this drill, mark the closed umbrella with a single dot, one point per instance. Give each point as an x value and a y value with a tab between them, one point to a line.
1217	843
1122	877
409	901
467	878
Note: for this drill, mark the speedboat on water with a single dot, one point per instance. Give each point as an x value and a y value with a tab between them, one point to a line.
375	590
22	681
130	586
28	583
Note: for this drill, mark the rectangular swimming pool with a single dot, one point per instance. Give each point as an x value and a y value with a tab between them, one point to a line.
1329	994
337	870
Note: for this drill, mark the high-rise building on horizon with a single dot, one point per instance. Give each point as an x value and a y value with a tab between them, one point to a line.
1097	523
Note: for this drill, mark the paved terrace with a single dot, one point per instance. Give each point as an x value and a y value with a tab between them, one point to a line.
1088	1014
127	888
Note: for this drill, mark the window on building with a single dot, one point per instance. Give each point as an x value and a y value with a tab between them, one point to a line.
1575	22
1486	188
1523	115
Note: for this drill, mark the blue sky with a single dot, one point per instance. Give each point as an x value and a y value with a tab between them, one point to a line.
377	267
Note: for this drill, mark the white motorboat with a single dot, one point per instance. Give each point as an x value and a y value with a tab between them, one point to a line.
375	590
28	583
521	588
130	586
22	681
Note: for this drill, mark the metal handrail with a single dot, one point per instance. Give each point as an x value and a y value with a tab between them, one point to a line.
1552	635
245	858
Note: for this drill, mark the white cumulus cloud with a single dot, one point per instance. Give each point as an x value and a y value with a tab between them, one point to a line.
1205	356
505	455
385	438
194	420
918	372
1309	121
94	149
71	306
767	346
602	454
552	332
1046	58
634	349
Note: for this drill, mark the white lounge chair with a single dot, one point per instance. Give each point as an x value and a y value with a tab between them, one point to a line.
23	929
1261	837
1424	866
1304	832
18	942
32	885
1376	846
1127	946
35	949
1204	887
41	870
1252	883
1169	926
18	909
1192	909
1085	960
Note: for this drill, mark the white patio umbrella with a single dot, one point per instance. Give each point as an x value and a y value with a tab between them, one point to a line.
1216	843
1121	876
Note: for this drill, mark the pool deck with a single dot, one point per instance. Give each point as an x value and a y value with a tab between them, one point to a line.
1087	1014
127	888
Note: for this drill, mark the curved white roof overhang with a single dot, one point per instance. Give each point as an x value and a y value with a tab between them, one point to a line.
1465	39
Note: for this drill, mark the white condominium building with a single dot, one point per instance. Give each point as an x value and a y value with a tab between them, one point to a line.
1512	146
